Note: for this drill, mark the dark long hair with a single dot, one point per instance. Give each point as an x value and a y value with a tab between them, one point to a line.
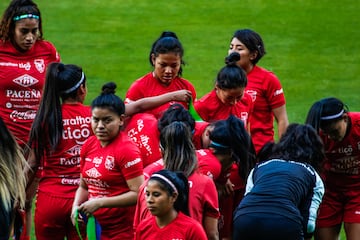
325	111
62	82
300	143
231	135
181	184
177	148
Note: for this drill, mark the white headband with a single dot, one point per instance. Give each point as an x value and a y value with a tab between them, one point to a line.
76	85
333	116
166	180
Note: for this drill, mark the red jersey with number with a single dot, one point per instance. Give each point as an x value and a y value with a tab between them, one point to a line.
105	170
22	77
142	129
210	108
60	174
342	163
267	93
203	197
149	86
181	228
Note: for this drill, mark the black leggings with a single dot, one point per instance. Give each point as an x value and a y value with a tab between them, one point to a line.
262	226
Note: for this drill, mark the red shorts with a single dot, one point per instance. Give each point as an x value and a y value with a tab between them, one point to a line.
337	207
53	218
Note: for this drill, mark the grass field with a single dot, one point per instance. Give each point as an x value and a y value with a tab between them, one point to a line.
312	46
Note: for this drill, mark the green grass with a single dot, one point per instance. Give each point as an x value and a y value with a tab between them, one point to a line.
312	46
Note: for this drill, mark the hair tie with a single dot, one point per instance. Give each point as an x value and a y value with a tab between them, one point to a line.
333	116
166	180
76	85
28	15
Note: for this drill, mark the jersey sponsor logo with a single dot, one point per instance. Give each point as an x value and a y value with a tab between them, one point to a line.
252	93
97	161
8	64
132	163
278	92
74	151
79	135
25	80
26	66
109	162
70	181
39	65
27	115
93	173
73	161
347	150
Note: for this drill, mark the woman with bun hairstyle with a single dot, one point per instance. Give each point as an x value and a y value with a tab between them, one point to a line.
228	97
111	169
263	86
167	198
166	57
339	130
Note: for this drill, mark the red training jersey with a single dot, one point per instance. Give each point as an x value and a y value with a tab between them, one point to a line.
203	197
22	77
149	86
267	93
199	130
105	170
142	129
60	175
210	108
342	162
182	227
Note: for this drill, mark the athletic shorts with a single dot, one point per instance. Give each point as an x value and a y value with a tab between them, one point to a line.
53	218
337	207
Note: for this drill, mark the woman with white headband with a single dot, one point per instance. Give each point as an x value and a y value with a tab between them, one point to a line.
340	132
167	195
61	126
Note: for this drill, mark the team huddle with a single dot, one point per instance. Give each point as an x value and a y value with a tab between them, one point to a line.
166	163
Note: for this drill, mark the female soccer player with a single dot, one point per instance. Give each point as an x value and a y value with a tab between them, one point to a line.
340	131
167	195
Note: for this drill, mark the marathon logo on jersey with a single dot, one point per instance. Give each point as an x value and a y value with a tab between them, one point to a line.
25	80
109	162
132	163
39	65
252	93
